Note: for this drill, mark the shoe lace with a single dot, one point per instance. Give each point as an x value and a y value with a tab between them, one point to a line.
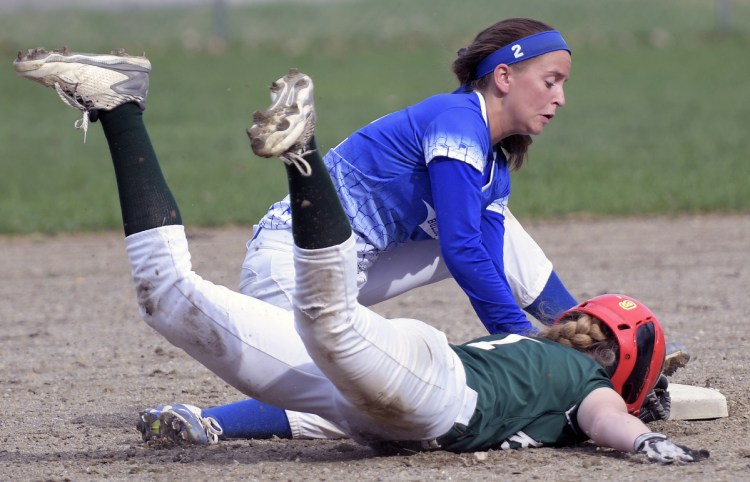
296	157
71	100
213	429
297	160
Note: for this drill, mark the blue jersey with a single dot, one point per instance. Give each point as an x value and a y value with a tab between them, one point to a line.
429	166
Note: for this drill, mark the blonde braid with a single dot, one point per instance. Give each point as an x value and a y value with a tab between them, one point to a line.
586	334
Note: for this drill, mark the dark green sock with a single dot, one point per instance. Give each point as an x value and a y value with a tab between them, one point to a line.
145	199
318	219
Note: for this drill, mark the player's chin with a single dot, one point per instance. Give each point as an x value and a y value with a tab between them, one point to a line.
535	130
544	121
537	127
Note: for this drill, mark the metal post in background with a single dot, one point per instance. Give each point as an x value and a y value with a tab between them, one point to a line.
221	20
724	15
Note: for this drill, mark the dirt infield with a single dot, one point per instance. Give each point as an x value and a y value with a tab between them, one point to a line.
77	362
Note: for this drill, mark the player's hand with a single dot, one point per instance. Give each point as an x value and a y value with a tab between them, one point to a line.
658	403
659	448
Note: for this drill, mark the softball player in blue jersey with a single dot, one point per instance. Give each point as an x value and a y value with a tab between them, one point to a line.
440	171
426	190
393	384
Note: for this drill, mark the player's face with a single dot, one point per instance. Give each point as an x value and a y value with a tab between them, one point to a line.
536	91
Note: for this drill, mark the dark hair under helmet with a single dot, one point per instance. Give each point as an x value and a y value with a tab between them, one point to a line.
640	339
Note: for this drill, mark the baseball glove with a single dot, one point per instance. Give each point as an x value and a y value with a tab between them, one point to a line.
658	403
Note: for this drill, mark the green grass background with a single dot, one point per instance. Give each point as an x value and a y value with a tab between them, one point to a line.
656	120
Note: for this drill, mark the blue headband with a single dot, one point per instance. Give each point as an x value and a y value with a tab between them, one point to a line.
523	49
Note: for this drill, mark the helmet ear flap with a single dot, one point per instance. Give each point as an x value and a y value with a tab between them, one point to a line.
640	341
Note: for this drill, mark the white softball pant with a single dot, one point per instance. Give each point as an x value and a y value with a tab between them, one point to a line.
268	273
376	378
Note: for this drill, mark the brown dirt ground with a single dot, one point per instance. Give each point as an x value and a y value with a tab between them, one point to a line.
78	364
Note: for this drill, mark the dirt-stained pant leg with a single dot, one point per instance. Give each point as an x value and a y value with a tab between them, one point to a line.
399	379
268	274
250	344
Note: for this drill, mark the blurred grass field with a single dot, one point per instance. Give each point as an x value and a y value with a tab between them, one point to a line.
655	123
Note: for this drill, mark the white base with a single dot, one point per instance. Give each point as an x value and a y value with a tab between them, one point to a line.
696	403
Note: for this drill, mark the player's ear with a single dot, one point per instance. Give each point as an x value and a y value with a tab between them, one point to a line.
501	78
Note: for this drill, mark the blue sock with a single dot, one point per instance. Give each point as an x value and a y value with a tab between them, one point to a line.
250	419
552	301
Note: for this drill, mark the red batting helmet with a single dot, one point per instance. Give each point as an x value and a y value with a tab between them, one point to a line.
641	344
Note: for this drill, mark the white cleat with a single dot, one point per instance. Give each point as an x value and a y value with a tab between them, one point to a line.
88	82
286	127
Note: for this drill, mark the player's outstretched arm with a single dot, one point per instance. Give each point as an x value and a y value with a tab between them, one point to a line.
603	416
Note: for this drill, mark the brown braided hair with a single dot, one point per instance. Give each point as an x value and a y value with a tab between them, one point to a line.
587	335
486	42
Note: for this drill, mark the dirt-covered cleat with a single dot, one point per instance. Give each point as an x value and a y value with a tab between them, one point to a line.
149	424
180	424
677	357
286	127
88	82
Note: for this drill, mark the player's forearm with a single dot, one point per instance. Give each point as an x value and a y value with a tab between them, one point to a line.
603	416
617	430
488	291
